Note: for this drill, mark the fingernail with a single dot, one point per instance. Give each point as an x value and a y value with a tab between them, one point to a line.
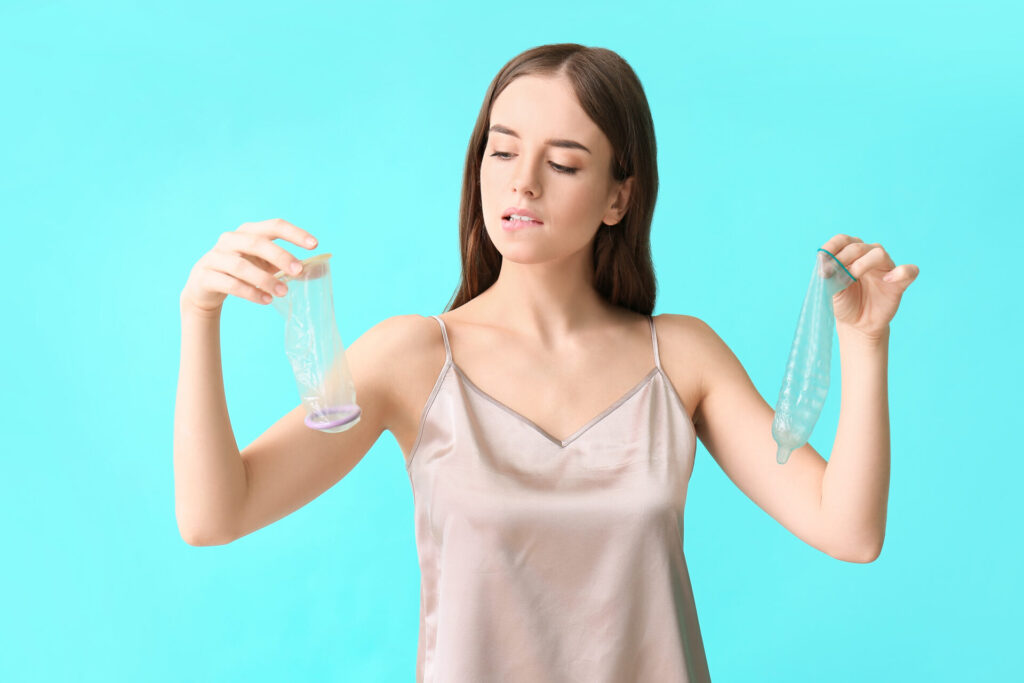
889	277
310	242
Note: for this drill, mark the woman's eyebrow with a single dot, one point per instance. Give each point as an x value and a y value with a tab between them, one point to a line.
569	144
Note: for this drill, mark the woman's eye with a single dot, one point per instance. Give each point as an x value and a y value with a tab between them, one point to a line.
558	167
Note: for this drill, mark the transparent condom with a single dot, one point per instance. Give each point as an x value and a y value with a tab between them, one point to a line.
314	347
805	383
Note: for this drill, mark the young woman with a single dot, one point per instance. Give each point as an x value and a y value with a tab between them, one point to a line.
547	420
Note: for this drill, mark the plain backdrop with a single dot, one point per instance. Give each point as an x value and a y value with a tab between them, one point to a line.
134	134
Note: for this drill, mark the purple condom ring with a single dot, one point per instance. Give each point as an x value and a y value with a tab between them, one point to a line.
346	414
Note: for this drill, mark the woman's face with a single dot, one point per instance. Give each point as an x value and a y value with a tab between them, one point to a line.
544	154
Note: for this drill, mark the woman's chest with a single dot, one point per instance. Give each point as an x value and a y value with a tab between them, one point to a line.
558	397
557	409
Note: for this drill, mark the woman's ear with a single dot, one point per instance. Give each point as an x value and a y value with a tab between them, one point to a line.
620	204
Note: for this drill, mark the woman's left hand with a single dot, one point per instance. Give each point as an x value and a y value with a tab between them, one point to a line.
867	305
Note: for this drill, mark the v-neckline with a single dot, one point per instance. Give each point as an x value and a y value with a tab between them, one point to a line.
561	443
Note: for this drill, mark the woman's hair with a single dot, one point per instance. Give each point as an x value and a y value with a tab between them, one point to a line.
611	95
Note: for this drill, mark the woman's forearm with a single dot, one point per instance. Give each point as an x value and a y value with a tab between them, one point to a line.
209	476
855	490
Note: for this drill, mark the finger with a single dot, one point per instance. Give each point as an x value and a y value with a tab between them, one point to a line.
278	228
259	246
234	264
262	263
907	272
219	281
836	243
845	255
862	258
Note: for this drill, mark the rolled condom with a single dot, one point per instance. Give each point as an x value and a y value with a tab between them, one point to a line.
806	380
313	346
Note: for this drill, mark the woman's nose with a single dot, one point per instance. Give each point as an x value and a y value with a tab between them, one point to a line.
525	181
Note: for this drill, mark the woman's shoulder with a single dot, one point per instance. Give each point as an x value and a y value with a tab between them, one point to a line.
410	352
686	338
408	349
679	339
408	336
680	326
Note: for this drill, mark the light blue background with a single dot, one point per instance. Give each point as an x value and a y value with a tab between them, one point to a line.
135	133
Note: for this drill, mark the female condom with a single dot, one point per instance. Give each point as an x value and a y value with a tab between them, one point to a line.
313	345
806	379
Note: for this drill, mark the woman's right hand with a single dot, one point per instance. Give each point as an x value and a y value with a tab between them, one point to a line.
243	263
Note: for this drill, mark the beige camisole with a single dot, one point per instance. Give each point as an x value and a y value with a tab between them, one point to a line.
546	560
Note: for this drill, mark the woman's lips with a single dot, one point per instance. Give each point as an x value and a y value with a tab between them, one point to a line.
518	224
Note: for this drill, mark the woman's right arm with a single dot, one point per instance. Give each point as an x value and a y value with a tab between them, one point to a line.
209	477
221	493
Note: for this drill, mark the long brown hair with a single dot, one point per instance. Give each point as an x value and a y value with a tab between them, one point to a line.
611	95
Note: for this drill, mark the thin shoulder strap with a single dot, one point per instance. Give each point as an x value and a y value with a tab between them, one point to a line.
444	333
654	339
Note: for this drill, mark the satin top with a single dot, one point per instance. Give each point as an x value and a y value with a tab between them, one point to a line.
546	560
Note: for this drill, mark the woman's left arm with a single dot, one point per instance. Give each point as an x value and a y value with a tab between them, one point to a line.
855	488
